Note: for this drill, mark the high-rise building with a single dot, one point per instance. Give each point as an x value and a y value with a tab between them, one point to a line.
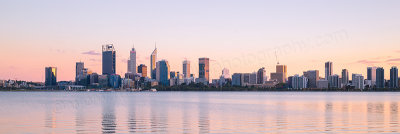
143	70
253	78
51	76
394	77
371	75
280	75
328	69
313	77
204	69
132	61
153	59
345	77
358	81
163	72
186	69
109	59
261	74
173	74
380	77
237	79
299	82
334	81
79	69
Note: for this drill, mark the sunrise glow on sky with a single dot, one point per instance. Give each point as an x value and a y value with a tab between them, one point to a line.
242	36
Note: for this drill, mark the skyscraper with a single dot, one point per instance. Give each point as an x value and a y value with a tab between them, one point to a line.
153	58
328	69
380	77
313	77
163	72
282	69
261	74
334	81
143	70
186	69
371	75
204	69
299	82
51	76
394	77
132	61
358	81
79	69
345	77
108	59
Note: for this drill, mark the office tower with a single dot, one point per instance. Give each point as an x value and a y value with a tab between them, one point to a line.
299	82
283	70
173	74
253	78
186	69
246	78
153	58
225	73
114	81
380	77
313	77
163	72
334	81
79	69
93	78
51	76
261	73
358	81
290	82
345	77
394	77
371	75
143	70
132	61
237	79
204	69
328	69
108	59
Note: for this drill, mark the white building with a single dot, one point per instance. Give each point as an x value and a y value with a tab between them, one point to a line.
322	84
132	61
299	82
358	81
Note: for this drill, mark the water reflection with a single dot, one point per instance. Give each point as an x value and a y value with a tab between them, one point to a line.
192	112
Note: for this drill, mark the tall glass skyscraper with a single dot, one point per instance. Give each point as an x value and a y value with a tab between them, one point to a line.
163	72
345	77
186	69
204	69
153	58
371	75
328	69
394	77
51	76
132	61
108	59
380	77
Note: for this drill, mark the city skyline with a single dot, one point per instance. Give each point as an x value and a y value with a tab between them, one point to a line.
240	40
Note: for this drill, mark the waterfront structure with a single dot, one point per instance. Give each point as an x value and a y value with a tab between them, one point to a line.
163	73
173	74
371	75
334	81
93	79
328	69
322	84
237	79
394	77
345	77
51	76
132	61
380	77
204	69
114	81
153	59
142	69
358	81
253	78
299	82
108	59
261	76
313	77
186	69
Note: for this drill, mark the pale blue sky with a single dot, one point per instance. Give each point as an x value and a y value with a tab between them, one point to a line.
56	33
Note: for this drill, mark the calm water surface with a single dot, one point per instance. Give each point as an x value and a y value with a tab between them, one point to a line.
199	112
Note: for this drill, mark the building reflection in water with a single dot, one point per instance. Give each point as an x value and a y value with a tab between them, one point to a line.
108	116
